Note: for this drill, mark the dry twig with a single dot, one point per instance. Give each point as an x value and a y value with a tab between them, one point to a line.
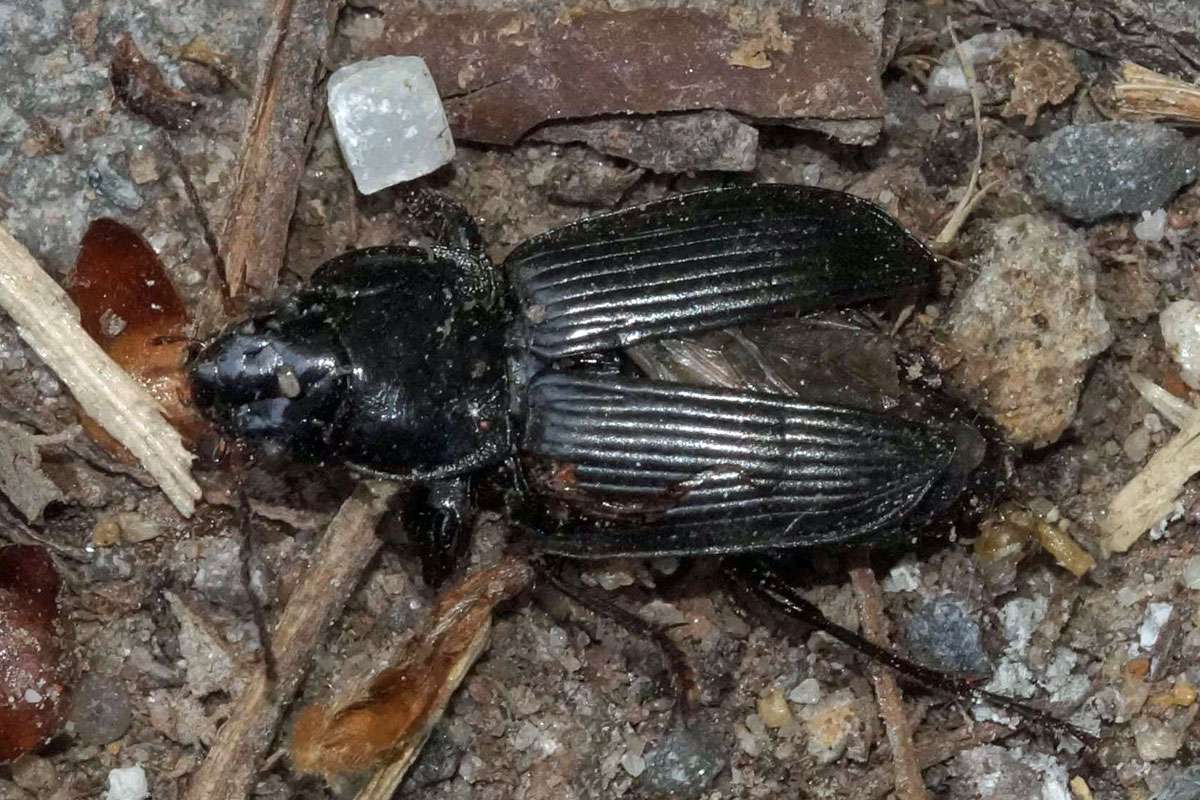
349	544
274	147
49	323
880	781
1143	94
907	767
1151	494
970	196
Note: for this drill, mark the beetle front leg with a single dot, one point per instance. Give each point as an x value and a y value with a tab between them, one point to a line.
440	514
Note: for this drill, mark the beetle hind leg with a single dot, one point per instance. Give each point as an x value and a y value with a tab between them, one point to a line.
762	576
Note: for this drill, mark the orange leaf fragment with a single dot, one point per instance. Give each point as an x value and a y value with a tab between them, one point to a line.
385	722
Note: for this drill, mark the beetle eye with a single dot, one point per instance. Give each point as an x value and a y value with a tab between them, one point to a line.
289	383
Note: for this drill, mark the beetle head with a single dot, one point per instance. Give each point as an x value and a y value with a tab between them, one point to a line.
276	380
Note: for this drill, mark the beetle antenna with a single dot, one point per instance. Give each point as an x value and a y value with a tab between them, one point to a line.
683	677
758	575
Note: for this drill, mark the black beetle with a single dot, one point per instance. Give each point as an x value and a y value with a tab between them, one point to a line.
585	373
416	364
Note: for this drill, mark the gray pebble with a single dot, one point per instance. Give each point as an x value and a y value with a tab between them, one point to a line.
942	635
1184	785
683	764
437	762
113	186
1092	171
100	710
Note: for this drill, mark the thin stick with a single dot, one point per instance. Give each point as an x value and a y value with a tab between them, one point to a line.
966	203
1151	494
49	323
273	155
909	783
880	780
231	768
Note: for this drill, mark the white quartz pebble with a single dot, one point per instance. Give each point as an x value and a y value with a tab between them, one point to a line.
127	783
1180	323
389	121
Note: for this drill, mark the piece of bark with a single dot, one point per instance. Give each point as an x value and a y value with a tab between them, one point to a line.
275	143
230	770
21	478
684	142
49	323
1163	34
503	73
141	87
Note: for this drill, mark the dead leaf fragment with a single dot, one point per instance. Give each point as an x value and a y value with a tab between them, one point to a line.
33	668
129	307
141	87
385	722
1042	72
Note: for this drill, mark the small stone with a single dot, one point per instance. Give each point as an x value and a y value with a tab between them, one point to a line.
773	709
113	186
662	613
100	710
1184	785
807	692
1191	573
210	665
127	783
1156	617
942	635
1028	328
1180	323
904	577
1156	740
143	166
947	80
125	527
989	772
1137	445
438	761
35	774
1092	171
609	577
635	765
1152	226
389	121
683	764
830	724
470	767
702	140
580	177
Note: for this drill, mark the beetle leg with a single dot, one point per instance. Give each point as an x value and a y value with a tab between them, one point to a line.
440	514
760	575
683	677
